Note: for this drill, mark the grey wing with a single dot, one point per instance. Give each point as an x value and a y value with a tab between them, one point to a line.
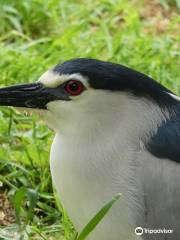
159	173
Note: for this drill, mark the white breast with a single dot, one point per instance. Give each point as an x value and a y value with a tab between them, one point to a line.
86	179
89	169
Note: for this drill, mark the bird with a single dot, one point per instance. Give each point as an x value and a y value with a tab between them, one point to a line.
116	131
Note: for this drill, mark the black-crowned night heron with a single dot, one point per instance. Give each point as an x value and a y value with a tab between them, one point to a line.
117	131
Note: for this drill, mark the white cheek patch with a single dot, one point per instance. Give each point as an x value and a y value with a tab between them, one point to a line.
52	79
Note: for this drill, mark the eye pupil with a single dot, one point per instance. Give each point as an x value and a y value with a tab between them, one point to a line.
74	87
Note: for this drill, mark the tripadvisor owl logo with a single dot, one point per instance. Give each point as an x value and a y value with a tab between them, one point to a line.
139	231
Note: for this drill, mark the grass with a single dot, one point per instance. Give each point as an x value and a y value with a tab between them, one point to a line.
37	34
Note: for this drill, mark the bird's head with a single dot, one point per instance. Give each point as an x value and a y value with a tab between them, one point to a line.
84	93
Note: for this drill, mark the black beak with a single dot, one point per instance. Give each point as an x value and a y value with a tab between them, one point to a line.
34	95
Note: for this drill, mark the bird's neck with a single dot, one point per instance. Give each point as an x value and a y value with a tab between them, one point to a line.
130	120
95	161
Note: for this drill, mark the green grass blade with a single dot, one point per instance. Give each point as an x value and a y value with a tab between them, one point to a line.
18	201
32	197
96	219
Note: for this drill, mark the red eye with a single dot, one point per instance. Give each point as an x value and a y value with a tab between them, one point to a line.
74	87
